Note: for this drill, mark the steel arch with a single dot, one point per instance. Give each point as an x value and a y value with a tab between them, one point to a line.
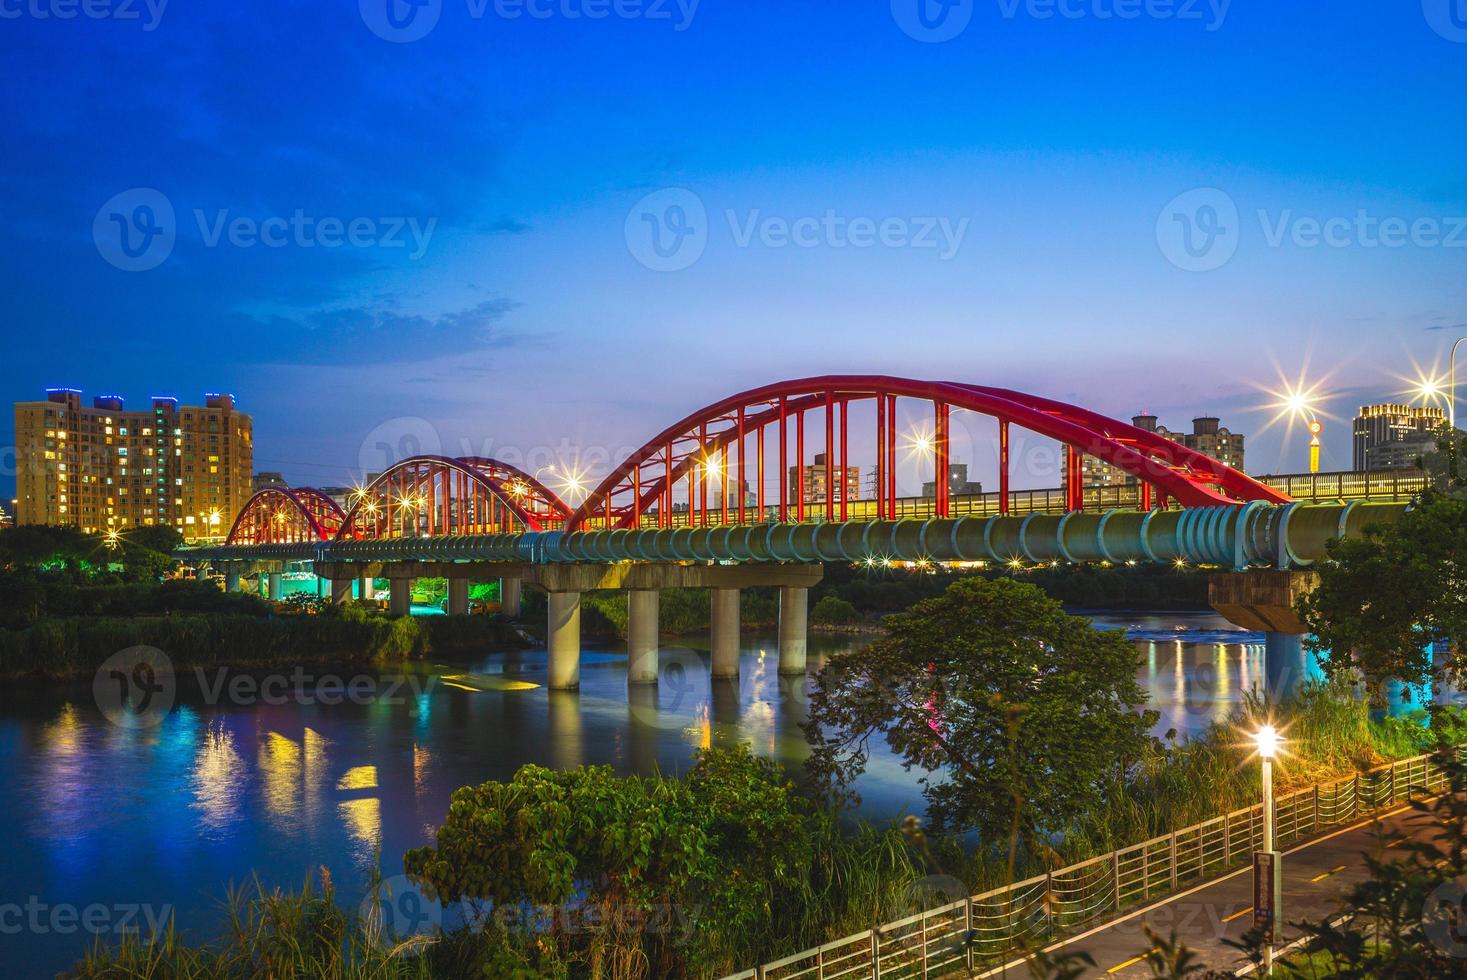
696	448
430	496
284	515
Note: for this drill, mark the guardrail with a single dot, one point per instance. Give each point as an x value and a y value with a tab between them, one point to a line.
988	928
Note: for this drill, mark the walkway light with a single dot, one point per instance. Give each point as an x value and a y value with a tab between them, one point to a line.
1267	862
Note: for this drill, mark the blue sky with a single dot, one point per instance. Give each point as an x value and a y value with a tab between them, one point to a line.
493	299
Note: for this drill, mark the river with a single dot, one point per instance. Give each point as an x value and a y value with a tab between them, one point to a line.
121	823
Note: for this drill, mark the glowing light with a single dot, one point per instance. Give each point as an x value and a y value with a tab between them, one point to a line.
920	443
1266	739
113	539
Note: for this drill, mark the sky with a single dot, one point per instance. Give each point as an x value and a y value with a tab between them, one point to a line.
545	229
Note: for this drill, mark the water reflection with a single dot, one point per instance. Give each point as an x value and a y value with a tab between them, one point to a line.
219	793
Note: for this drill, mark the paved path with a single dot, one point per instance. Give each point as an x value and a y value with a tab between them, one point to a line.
1317	874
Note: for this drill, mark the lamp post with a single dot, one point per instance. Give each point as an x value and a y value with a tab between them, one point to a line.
1267	870
1452	385
1315	428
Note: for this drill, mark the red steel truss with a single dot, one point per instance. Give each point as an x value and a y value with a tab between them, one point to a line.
720	445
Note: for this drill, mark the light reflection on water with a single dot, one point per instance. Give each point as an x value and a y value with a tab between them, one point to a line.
218	793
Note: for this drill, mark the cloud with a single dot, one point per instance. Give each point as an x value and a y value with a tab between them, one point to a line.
369	334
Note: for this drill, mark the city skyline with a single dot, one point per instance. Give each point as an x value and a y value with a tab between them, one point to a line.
505	288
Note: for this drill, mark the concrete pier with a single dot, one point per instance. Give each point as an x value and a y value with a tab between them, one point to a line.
458	597
563	637
367	588
400	600
509	597
642	608
275	585
794	634
340	590
723	621
231	580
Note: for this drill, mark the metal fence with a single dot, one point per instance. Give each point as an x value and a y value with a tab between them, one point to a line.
1387	485
985	929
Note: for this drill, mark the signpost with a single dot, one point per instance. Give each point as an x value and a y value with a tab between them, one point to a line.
1267	895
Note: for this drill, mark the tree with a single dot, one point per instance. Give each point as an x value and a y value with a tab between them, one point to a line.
1386	600
146	553
671	874
1021	716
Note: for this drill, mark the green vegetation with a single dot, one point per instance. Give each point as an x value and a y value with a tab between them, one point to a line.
1388	601
645	877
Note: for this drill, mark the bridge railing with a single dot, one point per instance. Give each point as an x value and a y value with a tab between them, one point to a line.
1387	485
989	928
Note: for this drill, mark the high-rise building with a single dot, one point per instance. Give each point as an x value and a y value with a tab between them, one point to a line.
104	468
267	479
958	483
1378	428
1207	437
811	481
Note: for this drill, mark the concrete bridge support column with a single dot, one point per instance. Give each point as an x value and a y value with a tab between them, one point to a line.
1285	663
723	621
458	597
231	580
275	586
563	636
642	607
367	588
794	611
509	597
340	590
400	599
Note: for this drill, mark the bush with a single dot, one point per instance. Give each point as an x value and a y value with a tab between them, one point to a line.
834	611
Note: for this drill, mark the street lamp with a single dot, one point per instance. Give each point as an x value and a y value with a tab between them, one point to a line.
1267	870
1452	386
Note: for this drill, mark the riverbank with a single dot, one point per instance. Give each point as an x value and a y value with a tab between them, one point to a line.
74	647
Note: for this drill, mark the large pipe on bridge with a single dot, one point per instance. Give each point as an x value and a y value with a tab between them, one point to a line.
1279	536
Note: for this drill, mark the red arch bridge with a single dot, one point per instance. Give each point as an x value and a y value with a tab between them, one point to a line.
764	486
